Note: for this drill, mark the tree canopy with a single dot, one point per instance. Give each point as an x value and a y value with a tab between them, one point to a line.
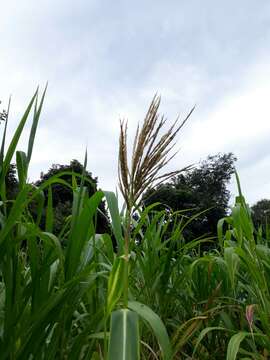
200	188
62	195
260	213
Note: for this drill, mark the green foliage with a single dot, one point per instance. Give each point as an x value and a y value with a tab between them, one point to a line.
163	299
63	196
156	325
260	213
196	190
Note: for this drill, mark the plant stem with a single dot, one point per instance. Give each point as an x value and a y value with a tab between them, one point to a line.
126	254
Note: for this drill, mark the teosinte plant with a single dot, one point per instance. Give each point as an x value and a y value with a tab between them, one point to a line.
151	153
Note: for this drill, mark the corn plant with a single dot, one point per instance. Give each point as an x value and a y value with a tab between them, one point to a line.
151	152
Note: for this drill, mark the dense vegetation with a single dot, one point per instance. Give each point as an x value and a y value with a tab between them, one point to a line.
200	190
62	195
157	297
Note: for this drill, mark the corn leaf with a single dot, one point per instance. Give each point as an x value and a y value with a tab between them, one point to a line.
157	326
124	343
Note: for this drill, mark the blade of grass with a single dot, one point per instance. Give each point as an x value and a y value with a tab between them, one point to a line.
157	326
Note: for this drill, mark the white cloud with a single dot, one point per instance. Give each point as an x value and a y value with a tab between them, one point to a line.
238	123
105	62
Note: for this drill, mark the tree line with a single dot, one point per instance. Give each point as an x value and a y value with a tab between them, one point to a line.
200	192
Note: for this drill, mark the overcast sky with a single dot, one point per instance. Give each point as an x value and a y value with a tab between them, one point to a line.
105	60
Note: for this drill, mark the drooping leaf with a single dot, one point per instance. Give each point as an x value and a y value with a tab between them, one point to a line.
157	326
204	332
234	344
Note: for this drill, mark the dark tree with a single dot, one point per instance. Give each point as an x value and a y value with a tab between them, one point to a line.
260	213
200	188
63	196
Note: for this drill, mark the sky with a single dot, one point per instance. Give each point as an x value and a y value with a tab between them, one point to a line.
105	60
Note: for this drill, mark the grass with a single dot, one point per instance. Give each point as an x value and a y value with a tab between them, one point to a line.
156	298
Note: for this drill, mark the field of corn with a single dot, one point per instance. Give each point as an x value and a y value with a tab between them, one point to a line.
153	296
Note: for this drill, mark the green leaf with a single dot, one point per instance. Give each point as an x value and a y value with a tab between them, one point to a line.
115	284
15	139
204	332
232	261
36	117
108	243
22	165
4	136
40	200
156	325
82	230
220	231
49	212
15	213
234	343
124	343
116	219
